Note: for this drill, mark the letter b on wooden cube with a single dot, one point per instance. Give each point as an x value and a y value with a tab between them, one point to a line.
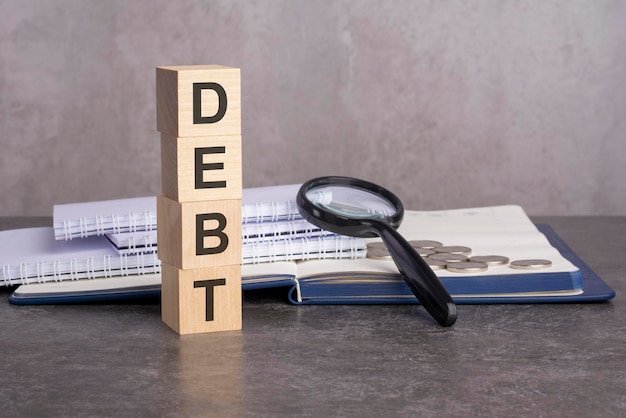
194	235
198	100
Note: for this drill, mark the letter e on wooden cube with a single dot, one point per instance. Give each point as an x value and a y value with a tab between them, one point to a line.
201	168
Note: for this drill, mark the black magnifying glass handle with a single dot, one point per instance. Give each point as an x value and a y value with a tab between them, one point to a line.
420	278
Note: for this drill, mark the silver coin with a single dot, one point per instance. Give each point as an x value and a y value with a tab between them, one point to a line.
377	245
448	258
425	243
532	264
454	249
467	267
491	260
378	254
436	264
424	252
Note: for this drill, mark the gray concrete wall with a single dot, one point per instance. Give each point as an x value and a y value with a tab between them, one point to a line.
448	103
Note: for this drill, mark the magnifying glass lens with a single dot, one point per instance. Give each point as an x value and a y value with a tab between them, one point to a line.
351	202
358	208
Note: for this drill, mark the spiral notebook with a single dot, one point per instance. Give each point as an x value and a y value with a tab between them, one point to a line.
32	255
503	229
146	241
118	238
80	220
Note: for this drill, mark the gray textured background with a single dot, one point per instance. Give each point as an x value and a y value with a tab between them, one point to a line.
449	104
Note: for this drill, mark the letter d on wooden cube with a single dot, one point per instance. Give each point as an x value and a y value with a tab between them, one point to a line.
198	100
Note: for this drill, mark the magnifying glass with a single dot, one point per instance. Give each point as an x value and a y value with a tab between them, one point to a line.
358	208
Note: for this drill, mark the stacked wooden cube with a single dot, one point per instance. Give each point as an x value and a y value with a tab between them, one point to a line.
199	210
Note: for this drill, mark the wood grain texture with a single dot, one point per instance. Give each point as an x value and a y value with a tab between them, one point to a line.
174	93
178	167
184	299
177	232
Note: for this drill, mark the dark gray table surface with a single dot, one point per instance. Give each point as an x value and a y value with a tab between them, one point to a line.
558	360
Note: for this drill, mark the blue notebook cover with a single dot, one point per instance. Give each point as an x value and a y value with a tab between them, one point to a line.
594	289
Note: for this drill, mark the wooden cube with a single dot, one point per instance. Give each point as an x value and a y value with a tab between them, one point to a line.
201	300
194	235
198	100
201	167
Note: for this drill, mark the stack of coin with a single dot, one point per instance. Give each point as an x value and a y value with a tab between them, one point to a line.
449	257
467	267
424	243
456	258
491	260
378	251
534	264
454	249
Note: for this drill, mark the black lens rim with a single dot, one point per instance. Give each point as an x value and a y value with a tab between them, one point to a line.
343	224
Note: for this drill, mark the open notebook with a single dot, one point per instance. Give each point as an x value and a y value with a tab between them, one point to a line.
502	230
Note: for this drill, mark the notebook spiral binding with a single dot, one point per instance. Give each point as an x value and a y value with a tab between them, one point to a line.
304	248
75	269
100	225
266	231
269	212
83	227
